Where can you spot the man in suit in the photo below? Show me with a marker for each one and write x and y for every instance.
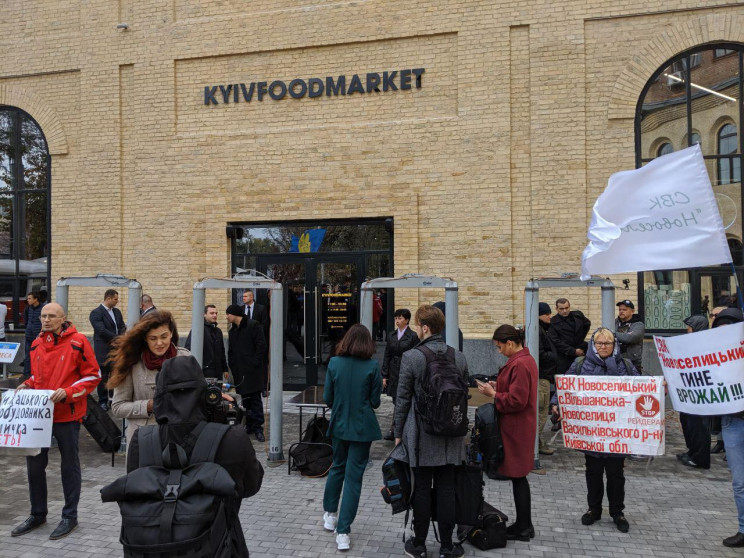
(146, 305)
(258, 312)
(107, 323)
(246, 351)
(214, 363)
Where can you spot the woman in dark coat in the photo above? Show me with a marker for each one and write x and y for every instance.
(515, 397)
(398, 342)
(603, 359)
(352, 390)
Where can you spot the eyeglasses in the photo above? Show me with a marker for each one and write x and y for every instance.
(604, 343)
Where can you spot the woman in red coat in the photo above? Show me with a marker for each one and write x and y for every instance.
(515, 397)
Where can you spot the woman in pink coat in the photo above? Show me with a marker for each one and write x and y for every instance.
(515, 397)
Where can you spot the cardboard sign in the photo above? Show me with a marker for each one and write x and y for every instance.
(26, 418)
(705, 370)
(612, 414)
(8, 352)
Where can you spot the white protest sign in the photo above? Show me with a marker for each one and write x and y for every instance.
(705, 370)
(661, 216)
(8, 352)
(612, 414)
(26, 418)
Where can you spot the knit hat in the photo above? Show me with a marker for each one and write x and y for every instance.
(235, 310)
(543, 308)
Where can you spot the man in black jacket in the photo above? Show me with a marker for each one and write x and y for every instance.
(568, 330)
(214, 362)
(245, 355)
(107, 323)
(546, 364)
(178, 413)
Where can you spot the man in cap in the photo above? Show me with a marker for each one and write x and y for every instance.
(629, 332)
(246, 351)
(547, 363)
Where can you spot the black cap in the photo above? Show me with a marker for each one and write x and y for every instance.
(543, 308)
(627, 303)
(235, 310)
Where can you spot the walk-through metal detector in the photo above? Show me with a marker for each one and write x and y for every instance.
(416, 281)
(134, 296)
(531, 317)
(104, 280)
(276, 342)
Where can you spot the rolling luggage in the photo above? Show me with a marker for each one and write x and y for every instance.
(101, 427)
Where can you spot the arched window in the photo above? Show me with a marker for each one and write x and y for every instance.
(24, 211)
(729, 169)
(695, 95)
(664, 149)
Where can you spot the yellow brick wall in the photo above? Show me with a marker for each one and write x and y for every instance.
(490, 170)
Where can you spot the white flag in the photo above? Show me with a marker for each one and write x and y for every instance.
(661, 216)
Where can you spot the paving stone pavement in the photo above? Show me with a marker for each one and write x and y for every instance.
(673, 511)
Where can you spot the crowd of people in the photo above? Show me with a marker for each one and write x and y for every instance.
(131, 378)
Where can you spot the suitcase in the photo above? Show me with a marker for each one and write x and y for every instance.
(101, 427)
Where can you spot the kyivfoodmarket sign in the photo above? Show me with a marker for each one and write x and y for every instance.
(330, 86)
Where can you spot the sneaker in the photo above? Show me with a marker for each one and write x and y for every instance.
(413, 550)
(622, 523)
(590, 517)
(329, 521)
(546, 451)
(455, 552)
(342, 541)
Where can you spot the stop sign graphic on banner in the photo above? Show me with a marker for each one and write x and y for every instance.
(647, 406)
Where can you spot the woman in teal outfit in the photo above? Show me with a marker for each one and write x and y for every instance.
(352, 390)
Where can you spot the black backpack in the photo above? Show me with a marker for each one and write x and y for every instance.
(313, 456)
(443, 401)
(396, 479)
(486, 439)
(172, 506)
(489, 530)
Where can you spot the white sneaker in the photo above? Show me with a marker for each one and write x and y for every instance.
(329, 521)
(342, 541)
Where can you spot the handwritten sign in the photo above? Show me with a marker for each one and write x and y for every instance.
(705, 370)
(8, 352)
(661, 216)
(26, 418)
(612, 414)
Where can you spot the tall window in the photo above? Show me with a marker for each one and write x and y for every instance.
(24, 211)
(696, 96)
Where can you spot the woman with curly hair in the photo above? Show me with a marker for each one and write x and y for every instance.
(136, 359)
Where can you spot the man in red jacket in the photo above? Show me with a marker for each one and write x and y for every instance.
(62, 360)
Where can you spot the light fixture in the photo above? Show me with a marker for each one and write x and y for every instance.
(122, 26)
(700, 87)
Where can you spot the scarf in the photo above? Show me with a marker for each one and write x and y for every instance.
(153, 362)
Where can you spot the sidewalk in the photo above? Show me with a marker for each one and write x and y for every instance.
(673, 511)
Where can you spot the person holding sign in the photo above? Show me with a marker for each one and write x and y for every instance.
(515, 397)
(603, 359)
(62, 360)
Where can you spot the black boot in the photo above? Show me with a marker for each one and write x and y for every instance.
(718, 448)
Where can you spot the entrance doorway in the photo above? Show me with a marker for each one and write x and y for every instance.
(321, 303)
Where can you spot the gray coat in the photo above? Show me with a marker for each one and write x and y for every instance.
(630, 336)
(433, 450)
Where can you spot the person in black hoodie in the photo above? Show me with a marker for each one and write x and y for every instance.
(180, 407)
(695, 427)
(214, 362)
(568, 329)
(547, 362)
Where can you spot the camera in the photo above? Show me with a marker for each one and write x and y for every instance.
(222, 410)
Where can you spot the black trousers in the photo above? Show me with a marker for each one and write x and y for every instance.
(66, 434)
(596, 468)
(697, 438)
(522, 503)
(443, 479)
(254, 416)
(103, 392)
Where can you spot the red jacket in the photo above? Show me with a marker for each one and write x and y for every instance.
(516, 401)
(65, 361)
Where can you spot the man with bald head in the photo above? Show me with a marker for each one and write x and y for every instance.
(62, 361)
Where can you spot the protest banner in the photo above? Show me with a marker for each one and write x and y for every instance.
(663, 215)
(705, 370)
(26, 418)
(612, 414)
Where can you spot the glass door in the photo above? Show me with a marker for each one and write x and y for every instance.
(716, 289)
(321, 302)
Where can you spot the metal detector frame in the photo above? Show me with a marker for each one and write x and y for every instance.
(416, 281)
(275, 342)
(531, 316)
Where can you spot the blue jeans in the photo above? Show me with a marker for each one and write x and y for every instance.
(349, 462)
(732, 430)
